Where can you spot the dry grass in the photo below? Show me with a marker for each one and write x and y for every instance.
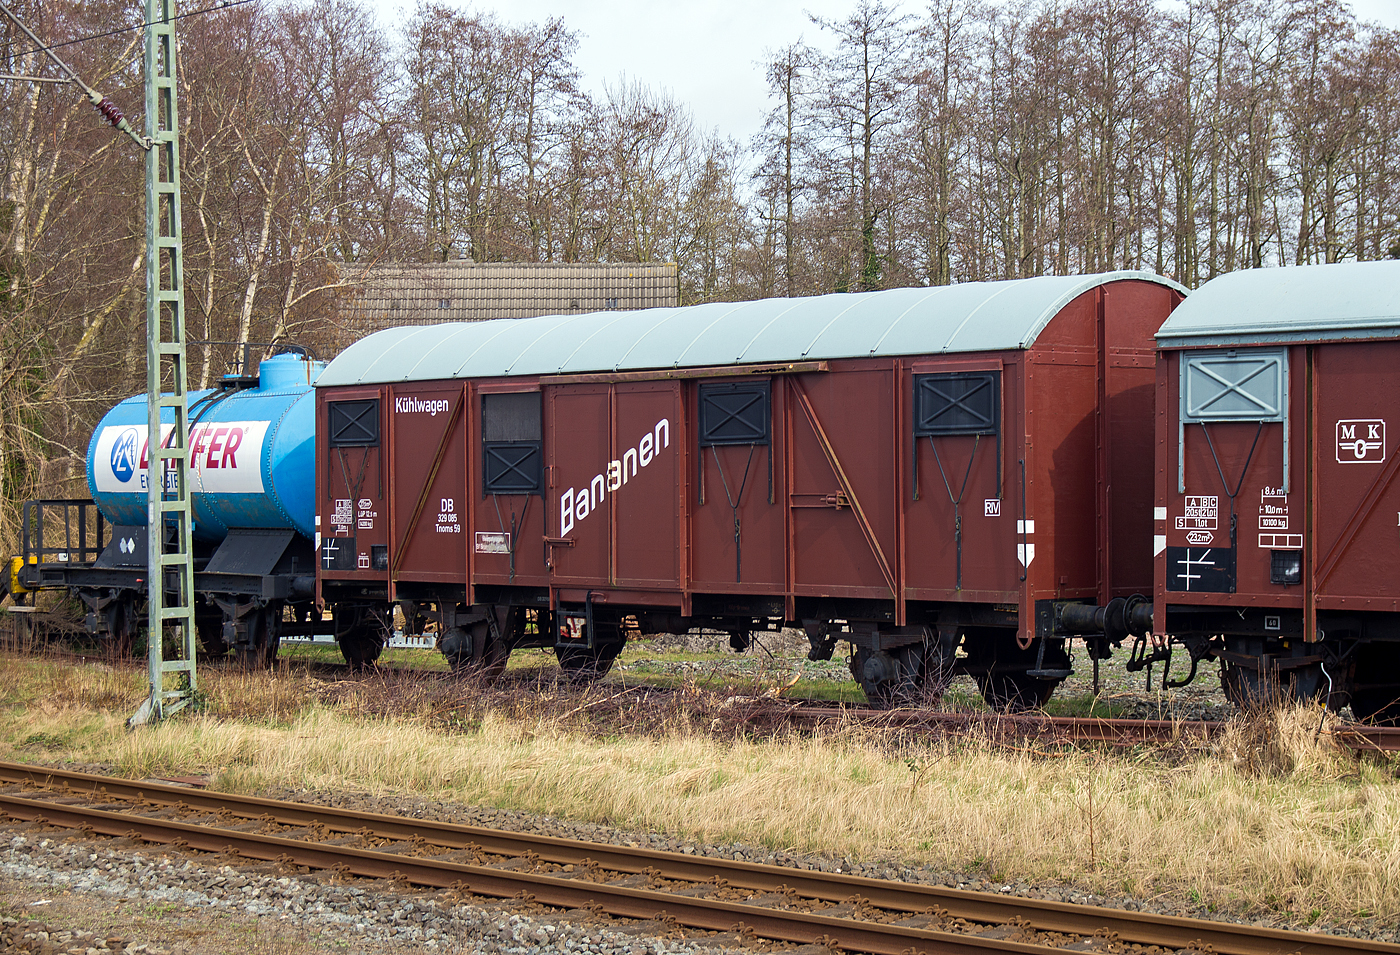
(1273, 818)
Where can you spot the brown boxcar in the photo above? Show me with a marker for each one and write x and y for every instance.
(909, 471)
(1277, 500)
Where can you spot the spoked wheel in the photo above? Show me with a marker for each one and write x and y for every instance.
(475, 651)
(264, 638)
(582, 665)
(1013, 678)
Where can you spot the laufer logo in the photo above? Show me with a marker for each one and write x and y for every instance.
(124, 455)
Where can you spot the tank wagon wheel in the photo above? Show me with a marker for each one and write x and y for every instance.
(123, 622)
(210, 628)
(265, 637)
(1008, 684)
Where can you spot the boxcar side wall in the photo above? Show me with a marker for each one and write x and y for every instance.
(353, 479)
(882, 489)
(1091, 400)
(1355, 497)
(428, 510)
(1226, 501)
(1322, 539)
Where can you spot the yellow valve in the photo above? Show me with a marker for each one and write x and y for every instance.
(16, 588)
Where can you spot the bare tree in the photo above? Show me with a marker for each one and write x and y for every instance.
(867, 79)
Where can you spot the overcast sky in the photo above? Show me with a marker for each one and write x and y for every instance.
(707, 54)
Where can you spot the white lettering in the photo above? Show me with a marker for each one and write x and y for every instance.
(566, 512)
(429, 407)
(575, 504)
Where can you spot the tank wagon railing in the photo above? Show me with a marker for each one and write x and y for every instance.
(62, 531)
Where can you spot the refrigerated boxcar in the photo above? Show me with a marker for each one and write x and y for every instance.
(1276, 542)
(911, 471)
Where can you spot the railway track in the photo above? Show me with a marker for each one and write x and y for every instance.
(744, 900)
(1076, 729)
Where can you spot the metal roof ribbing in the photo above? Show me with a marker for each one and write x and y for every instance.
(1301, 303)
(981, 316)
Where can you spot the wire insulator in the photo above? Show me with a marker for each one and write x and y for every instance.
(110, 111)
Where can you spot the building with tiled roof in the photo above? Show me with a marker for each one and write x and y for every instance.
(387, 296)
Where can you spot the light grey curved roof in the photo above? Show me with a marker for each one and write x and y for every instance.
(1300, 303)
(981, 316)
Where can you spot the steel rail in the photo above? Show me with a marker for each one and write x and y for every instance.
(1086, 729)
(1040, 914)
(622, 901)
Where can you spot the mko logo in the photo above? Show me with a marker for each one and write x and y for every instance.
(124, 455)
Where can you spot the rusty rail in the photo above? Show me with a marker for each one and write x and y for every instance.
(1080, 729)
(623, 900)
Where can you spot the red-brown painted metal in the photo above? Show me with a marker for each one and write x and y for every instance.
(842, 503)
(427, 509)
(353, 495)
(1334, 510)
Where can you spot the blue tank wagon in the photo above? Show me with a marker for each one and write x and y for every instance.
(252, 457)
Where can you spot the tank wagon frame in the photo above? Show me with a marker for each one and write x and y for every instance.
(1278, 493)
(951, 479)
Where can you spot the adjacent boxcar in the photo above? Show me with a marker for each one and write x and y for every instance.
(910, 471)
(1277, 499)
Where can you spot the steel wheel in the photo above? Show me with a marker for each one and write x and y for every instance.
(582, 665)
(1003, 669)
(1012, 691)
(361, 645)
(476, 652)
(264, 636)
(1380, 707)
